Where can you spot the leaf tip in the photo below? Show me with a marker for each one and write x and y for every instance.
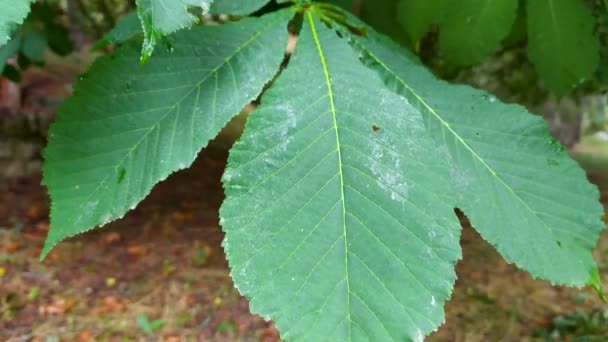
(46, 249)
(145, 56)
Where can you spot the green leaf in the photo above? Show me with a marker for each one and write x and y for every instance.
(417, 16)
(129, 126)
(125, 28)
(473, 29)
(517, 185)
(561, 42)
(346, 4)
(8, 50)
(335, 219)
(382, 15)
(519, 30)
(33, 44)
(13, 13)
(241, 7)
(161, 17)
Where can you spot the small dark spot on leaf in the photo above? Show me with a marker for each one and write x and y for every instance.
(559, 243)
(375, 128)
(121, 175)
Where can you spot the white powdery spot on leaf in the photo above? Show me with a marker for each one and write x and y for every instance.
(387, 180)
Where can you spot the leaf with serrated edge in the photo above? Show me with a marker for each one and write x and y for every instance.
(13, 13)
(129, 126)
(161, 17)
(168, 16)
(517, 185)
(561, 42)
(335, 220)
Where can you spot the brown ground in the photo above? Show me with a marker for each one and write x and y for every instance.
(162, 261)
(163, 264)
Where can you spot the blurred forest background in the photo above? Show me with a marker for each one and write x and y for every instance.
(160, 273)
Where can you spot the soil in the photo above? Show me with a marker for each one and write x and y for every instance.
(162, 264)
(160, 274)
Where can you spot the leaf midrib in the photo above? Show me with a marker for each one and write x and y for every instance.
(172, 108)
(339, 152)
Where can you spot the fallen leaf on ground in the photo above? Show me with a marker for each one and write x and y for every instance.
(59, 307)
(34, 293)
(33, 212)
(109, 304)
(269, 335)
(43, 226)
(136, 250)
(110, 281)
(85, 336)
(217, 301)
(180, 216)
(11, 246)
(32, 237)
(110, 238)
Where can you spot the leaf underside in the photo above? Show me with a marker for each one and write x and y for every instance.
(565, 26)
(336, 223)
(128, 127)
(517, 185)
(13, 13)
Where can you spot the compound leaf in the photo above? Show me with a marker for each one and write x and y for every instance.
(128, 126)
(233, 7)
(336, 223)
(473, 29)
(561, 42)
(13, 13)
(161, 17)
(517, 185)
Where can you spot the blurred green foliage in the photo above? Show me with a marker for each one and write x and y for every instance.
(578, 326)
